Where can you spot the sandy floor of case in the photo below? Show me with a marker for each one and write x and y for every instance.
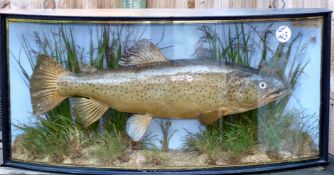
(319, 170)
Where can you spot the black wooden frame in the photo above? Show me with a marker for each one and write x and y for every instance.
(324, 111)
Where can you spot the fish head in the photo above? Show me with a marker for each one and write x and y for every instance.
(255, 90)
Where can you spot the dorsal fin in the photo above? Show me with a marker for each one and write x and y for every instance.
(274, 68)
(85, 68)
(142, 52)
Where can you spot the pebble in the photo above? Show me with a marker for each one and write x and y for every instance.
(202, 159)
(137, 159)
(256, 158)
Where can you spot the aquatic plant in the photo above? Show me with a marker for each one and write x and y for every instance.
(53, 138)
(239, 138)
(167, 133)
(154, 157)
(298, 137)
(205, 142)
(235, 138)
(109, 147)
(232, 47)
(114, 120)
(76, 140)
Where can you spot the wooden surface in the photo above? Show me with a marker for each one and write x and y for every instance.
(153, 13)
(168, 3)
(30, 4)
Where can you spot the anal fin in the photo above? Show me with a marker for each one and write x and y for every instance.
(137, 125)
(88, 110)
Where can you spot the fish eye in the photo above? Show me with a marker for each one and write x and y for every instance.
(262, 85)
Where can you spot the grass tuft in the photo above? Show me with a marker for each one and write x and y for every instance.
(236, 138)
(53, 139)
(154, 157)
(109, 147)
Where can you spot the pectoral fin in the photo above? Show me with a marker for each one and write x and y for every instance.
(88, 110)
(210, 117)
(137, 125)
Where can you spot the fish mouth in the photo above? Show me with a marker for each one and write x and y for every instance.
(274, 95)
(279, 93)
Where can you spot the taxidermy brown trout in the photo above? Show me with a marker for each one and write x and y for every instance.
(149, 86)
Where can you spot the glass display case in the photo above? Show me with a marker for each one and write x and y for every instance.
(185, 91)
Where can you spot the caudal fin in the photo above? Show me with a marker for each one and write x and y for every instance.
(43, 85)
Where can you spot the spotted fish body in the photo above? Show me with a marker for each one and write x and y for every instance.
(197, 89)
(178, 89)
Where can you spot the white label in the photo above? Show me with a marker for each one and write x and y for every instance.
(283, 34)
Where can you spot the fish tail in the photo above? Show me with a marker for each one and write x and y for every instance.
(44, 84)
